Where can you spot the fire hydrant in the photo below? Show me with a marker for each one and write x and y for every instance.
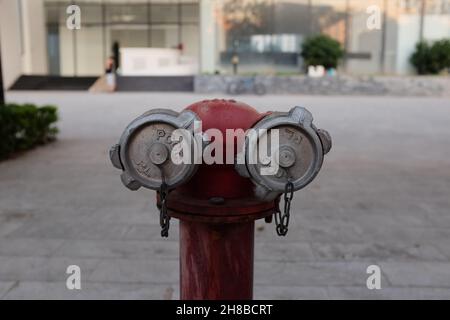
(209, 172)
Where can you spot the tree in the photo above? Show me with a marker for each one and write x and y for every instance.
(2, 93)
(322, 50)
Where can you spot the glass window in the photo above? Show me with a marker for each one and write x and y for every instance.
(165, 12)
(53, 13)
(131, 23)
(189, 12)
(56, 12)
(244, 18)
(329, 17)
(53, 49)
(248, 28)
(132, 36)
(292, 17)
(164, 36)
(91, 13)
(127, 13)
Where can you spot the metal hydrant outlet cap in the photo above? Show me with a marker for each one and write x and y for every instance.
(144, 150)
(300, 152)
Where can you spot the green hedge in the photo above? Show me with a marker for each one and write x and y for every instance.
(431, 58)
(24, 126)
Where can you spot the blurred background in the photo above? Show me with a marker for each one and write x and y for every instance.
(266, 34)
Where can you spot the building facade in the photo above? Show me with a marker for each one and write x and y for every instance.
(266, 34)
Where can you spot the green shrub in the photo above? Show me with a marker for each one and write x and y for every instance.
(431, 59)
(322, 50)
(25, 126)
(440, 51)
(422, 60)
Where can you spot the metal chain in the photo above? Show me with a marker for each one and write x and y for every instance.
(164, 219)
(282, 219)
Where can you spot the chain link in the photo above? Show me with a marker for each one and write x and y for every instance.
(164, 219)
(282, 219)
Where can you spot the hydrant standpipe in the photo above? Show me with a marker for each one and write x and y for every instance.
(217, 203)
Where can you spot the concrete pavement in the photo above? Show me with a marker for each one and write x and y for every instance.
(381, 198)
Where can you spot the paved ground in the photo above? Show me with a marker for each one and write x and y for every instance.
(382, 198)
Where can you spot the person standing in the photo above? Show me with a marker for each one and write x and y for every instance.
(235, 63)
(116, 54)
(110, 70)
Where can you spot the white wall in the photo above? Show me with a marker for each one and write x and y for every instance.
(390, 55)
(23, 39)
(436, 27)
(10, 41)
(207, 36)
(35, 37)
(401, 38)
(408, 36)
(90, 56)
(363, 40)
(155, 62)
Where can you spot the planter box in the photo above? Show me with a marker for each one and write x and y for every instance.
(338, 85)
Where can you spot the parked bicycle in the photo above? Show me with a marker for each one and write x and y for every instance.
(246, 85)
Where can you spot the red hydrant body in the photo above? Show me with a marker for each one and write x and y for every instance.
(217, 211)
